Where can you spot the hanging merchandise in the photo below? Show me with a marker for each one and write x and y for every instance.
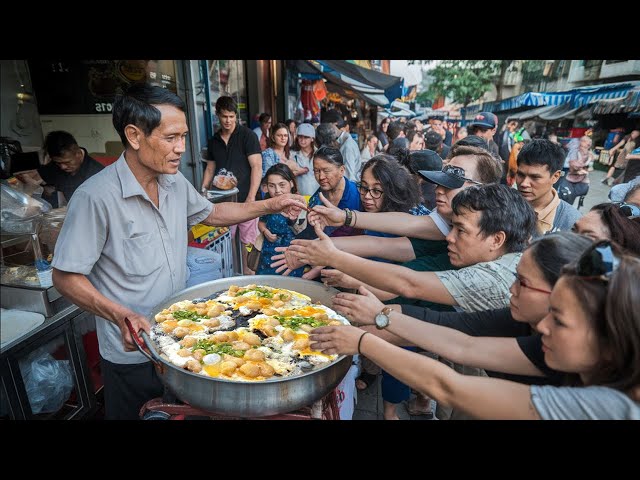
(319, 90)
(308, 99)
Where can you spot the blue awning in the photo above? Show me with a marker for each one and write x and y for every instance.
(577, 97)
(361, 79)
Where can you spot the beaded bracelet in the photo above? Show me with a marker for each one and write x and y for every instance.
(348, 216)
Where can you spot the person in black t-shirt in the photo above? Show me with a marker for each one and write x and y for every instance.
(70, 165)
(236, 148)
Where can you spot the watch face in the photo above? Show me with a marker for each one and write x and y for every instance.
(382, 320)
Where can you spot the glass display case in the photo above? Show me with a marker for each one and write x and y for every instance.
(47, 375)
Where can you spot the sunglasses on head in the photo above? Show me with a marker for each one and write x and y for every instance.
(458, 172)
(598, 263)
(629, 210)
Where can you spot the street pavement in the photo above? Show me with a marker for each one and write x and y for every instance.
(369, 401)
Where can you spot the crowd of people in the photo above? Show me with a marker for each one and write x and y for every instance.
(453, 253)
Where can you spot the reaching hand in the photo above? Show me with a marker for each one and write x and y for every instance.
(341, 340)
(313, 273)
(269, 236)
(289, 204)
(336, 278)
(314, 252)
(359, 309)
(331, 214)
(138, 322)
(286, 262)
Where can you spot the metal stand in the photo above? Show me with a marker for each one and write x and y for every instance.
(220, 196)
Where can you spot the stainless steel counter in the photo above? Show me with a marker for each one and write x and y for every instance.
(50, 322)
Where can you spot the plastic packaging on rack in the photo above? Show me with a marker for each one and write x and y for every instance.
(20, 212)
(48, 381)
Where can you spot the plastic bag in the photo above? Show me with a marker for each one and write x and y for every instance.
(225, 180)
(18, 206)
(48, 381)
(203, 266)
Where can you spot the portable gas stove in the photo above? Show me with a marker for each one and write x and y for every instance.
(169, 407)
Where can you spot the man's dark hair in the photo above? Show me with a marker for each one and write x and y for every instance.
(137, 106)
(59, 142)
(228, 104)
(330, 154)
(333, 116)
(432, 141)
(394, 129)
(397, 145)
(327, 134)
(401, 191)
(502, 209)
(475, 129)
(542, 152)
(471, 141)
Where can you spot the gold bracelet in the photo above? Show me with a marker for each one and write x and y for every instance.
(360, 341)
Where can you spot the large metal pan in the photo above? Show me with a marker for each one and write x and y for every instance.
(250, 399)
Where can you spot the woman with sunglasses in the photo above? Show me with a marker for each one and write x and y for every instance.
(618, 222)
(591, 330)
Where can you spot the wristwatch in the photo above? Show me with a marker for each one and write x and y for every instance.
(382, 319)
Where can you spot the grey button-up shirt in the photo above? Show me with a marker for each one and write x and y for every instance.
(132, 252)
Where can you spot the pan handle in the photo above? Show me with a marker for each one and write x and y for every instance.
(142, 347)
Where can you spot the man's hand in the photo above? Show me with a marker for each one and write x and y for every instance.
(336, 278)
(328, 215)
(341, 340)
(359, 309)
(314, 252)
(286, 262)
(272, 237)
(138, 322)
(289, 204)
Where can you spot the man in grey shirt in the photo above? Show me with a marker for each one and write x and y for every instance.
(123, 245)
(347, 145)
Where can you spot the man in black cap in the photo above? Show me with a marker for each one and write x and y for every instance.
(484, 125)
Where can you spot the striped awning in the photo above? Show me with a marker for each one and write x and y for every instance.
(628, 104)
(547, 113)
(577, 97)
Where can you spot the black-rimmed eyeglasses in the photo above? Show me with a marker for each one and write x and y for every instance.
(374, 192)
(458, 172)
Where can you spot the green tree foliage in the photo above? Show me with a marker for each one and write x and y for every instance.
(464, 81)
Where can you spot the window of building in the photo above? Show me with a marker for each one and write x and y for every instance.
(228, 78)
